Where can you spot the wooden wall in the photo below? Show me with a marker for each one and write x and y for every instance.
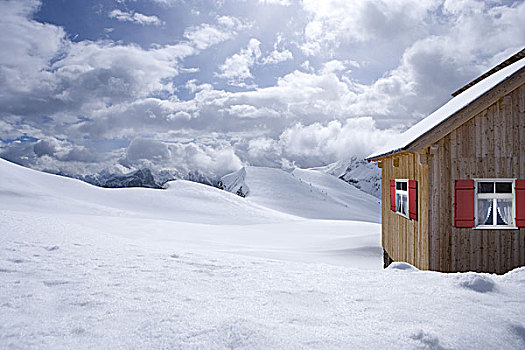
(490, 145)
(402, 238)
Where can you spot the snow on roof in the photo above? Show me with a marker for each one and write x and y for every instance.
(447, 110)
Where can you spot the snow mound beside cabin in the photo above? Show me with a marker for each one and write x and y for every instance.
(303, 192)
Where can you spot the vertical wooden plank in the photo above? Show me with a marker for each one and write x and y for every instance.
(433, 226)
(483, 134)
(519, 116)
(498, 129)
(490, 170)
(440, 185)
(478, 173)
(478, 134)
(509, 126)
(423, 202)
(486, 250)
(506, 240)
(448, 204)
(466, 171)
(451, 175)
(384, 213)
(475, 241)
(521, 135)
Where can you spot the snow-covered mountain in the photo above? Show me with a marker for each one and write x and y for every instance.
(138, 178)
(357, 172)
(303, 192)
(143, 177)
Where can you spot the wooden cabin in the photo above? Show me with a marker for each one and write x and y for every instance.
(453, 185)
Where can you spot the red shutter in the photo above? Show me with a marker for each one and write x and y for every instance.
(412, 199)
(464, 203)
(519, 191)
(393, 195)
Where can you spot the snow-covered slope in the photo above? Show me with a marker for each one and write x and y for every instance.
(306, 193)
(357, 172)
(83, 267)
(192, 213)
(186, 201)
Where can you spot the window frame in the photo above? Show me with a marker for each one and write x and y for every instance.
(404, 193)
(495, 196)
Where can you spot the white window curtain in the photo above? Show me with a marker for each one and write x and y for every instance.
(484, 209)
(402, 203)
(505, 210)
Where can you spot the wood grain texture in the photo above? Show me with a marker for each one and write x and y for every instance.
(490, 143)
(405, 239)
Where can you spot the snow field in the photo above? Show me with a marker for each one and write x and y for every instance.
(194, 267)
(65, 285)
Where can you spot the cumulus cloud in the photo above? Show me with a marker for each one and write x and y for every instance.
(236, 69)
(377, 67)
(135, 17)
(317, 143)
(146, 149)
(212, 160)
(205, 35)
(277, 56)
(358, 21)
(333, 66)
(276, 2)
(50, 154)
(55, 77)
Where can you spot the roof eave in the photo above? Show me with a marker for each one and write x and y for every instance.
(378, 157)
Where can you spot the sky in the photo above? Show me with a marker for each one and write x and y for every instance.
(211, 86)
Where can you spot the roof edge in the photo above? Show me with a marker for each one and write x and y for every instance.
(376, 158)
(430, 131)
(514, 58)
(462, 110)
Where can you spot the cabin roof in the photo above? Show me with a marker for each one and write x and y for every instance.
(465, 96)
(514, 58)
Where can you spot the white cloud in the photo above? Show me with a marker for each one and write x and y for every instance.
(276, 2)
(51, 154)
(54, 76)
(135, 17)
(236, 69)
(205, 35)
(212, 160)
(168, 3)
(317, 144)
(333, 66)
(276, 57)
(279, 53)
(141, 149)
(390, 61)
(356, 21)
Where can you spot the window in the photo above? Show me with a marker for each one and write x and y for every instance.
(402, 197)
(495, 203)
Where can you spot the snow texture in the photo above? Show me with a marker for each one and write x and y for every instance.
(357, 172)
(194, 267)
(448, 109)
(303, 192)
